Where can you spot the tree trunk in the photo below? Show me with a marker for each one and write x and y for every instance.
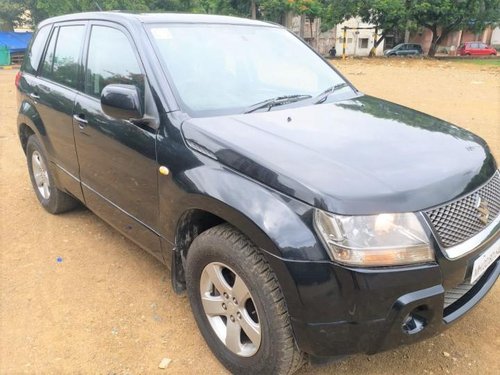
(435, 41)
(407, 34)
(311, 29)
(434, 46)
(373, 51)
(302, 24)
(253, 9)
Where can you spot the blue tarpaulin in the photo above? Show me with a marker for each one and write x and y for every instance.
(15, 42)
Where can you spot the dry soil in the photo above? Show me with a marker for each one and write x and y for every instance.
(107, 307)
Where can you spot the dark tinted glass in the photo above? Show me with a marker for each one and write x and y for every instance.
(32, 58)
(49, 55)
(111, 59)
(61, 60)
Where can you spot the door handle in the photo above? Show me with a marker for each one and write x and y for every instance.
(81, 120)
(34, 96)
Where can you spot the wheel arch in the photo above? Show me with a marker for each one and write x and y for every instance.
(29, 122)
(279, 226)
(196, 220)
(24, 132)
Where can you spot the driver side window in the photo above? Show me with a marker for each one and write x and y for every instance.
(111, 59)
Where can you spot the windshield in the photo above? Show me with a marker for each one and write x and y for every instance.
(225, 69)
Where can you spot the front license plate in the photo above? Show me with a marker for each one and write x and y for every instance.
(484, 261)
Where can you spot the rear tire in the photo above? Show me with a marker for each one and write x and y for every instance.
(50, 197)
(270, 347)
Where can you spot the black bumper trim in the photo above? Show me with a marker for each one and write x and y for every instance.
(473, 296)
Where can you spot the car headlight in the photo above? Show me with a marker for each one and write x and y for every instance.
(375, 240)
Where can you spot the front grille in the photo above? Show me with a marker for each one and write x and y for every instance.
(453, 295)
(458, 221)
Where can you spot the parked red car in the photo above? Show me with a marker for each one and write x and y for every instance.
(476, 49)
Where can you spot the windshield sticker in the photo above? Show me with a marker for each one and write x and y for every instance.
(161, 33)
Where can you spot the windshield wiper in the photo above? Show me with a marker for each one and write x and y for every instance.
(324, 95)
(273, 102)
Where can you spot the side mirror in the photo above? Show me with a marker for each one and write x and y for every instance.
(121, 102)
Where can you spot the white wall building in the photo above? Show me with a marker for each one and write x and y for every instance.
(358, 42)
(495, 36)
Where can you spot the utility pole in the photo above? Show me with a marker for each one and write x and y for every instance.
(344, 41)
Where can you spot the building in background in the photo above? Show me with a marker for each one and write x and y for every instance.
(453, 40)
(495, 38)
(360, 36)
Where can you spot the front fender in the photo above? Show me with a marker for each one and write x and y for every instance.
(279, 225)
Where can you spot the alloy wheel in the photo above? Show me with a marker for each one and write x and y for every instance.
(40, 174)
(230, 309)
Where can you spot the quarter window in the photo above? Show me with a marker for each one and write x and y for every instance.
(32, 59)
(61, 60)
(111, 59)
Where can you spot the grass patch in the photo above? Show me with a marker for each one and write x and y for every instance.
(486, 62)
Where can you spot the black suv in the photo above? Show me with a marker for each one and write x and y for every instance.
(302, 217)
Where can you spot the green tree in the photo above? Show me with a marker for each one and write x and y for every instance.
(41, 9)
(273, 10)
(445, 16)
(311, 9)
(385, 15)
(337, 11)
(10, 14)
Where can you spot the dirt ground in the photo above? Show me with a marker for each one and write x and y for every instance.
(77, 297)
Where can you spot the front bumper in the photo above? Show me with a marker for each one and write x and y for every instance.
(348, 311)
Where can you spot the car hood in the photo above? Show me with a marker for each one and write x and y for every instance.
(357, 156)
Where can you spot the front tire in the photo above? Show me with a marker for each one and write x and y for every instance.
(50, 197)
(238, 305)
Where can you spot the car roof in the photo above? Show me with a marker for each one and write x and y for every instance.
(125, 17)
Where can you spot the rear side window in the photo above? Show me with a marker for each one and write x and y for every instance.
(32, 58)
(61, 59)
(111, 59)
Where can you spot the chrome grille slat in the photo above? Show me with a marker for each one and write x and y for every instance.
(459, 220)
(453, 295)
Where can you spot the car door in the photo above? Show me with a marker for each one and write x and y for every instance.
(475, 49)
(118, 167)
(484, 49)
(53, 93)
